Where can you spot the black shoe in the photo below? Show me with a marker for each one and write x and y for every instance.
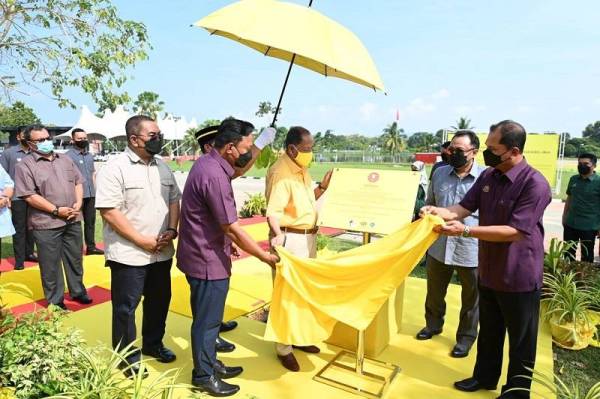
(471, 385)
(216, 387)
(426, 333)
(19, 266)
(224, 346)
(94, 251)
(228, 326)
(82, 299)
(225, 372)
(460, 350)
(60, 305)
(31, 258)
(133, 371)
(162, 354)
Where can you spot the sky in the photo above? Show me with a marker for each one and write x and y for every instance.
(534, 61)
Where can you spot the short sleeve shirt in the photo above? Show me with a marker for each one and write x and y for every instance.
(517, 198)
(85, 162)
(9, 159)
(143, 193)
(54, 179)
(584, 209)
(203, 250)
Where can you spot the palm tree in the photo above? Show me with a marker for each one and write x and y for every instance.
(463, 123)
(394, 138)
(147, 103)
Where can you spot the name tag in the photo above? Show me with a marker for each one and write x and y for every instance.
(18, 159)
(81, 161)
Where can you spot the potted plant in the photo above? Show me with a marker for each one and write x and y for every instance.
(255, 205)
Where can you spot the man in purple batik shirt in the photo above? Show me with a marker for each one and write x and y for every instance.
(208, 227)
(511, 198)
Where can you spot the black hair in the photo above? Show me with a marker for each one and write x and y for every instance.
(232, 131)
(76, 130)
(471, 135)
(31, 128)
(512, 134)
(446, 144)
(589, 156)
(295, 135)
(132, 126)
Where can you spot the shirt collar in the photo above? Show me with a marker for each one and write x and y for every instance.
(135, 157)
(37, 156)
(475, 170)
(515, 171)
(214, 154)
(291, 164)
(592, 177)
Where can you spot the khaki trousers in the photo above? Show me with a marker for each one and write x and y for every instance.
(304, 246)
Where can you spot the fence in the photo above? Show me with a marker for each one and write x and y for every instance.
(363, 157)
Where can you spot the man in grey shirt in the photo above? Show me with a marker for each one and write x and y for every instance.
(84, 160)
(23, 237)
(449, 184)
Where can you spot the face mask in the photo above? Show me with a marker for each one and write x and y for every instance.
(243, 159)
(304, 158)
(45, 147)
(492, 159)
(83, 144)
(444, 157)
(154, 146)
(583, 169)
(457, 159)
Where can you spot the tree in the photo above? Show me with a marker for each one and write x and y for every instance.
(68, 43)
(422, 141)
(463, 123)
(17, 115)
(265, 108)
(394, 138)
(190, 141)
(147, 103)
(592, 131)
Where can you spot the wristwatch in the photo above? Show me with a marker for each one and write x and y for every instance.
(55, 211)
(174, 231)
(466, 232)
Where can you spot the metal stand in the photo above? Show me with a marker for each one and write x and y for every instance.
(376, 384)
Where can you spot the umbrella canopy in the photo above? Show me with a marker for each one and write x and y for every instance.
(296, 33)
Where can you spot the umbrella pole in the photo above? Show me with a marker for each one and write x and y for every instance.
(285, 84)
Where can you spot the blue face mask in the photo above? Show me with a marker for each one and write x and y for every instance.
(45, 147)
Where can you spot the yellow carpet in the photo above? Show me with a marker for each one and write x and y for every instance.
(427, 369)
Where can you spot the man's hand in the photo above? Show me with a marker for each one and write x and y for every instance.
(64, 212)
(147, 243)
(278, 240)
(235, 251)
(77, 206)
(266, 137)
(270, 259)
(428, 210)
(452, 228)
(164, 239)
(326, 179)
(4, 202)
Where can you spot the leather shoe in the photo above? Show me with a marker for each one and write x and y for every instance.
(426, 333)
(82, 299)
(224, 346)
(94, 251)
(60, 305)
(308, 349)
(471, 385)
(132, 371)
(162, 354)
(31, 258)
(289, 362)
(216, 387)
(228, 326)
(19, 266)
(225, 372)
(460, 350)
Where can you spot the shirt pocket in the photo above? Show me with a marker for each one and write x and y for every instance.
(134, 192)
(504, 210)
(166, 187)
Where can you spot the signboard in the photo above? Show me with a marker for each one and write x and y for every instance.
(541, 152)
(370, 201)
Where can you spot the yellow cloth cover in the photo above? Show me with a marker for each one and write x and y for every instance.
(311, 295)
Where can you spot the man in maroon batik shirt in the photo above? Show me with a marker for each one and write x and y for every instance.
(511, 197)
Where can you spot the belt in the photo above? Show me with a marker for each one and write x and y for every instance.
(300, 231)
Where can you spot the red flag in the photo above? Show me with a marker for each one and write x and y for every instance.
(397, 114)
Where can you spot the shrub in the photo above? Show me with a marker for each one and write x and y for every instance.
(322, 241)
(255, 205)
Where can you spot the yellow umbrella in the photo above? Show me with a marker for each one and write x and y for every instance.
(297, 34)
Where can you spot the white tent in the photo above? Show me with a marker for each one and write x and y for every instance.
(88, 122)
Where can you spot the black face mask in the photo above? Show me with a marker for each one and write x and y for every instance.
(243, 160)
(492, 159)
(583, 169)
(154, 146)
(457, 159)
(83, 144)
(444, 157)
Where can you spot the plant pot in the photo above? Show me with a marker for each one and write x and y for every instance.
(570, 336)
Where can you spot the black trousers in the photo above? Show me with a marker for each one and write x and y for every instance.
(438, 279)
(517, 313)
(207, 300)
(89, 220)
(56, 245)
(128, 284)
(23, 237)
(586, 239)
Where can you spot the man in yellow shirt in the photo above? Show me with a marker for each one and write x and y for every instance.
(292, 211)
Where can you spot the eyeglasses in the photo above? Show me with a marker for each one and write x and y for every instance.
(151, 135)
(38, 141)
(452, 150)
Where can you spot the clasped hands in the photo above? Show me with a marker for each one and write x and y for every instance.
(156, 244)
(449, 228)
(69, 213)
